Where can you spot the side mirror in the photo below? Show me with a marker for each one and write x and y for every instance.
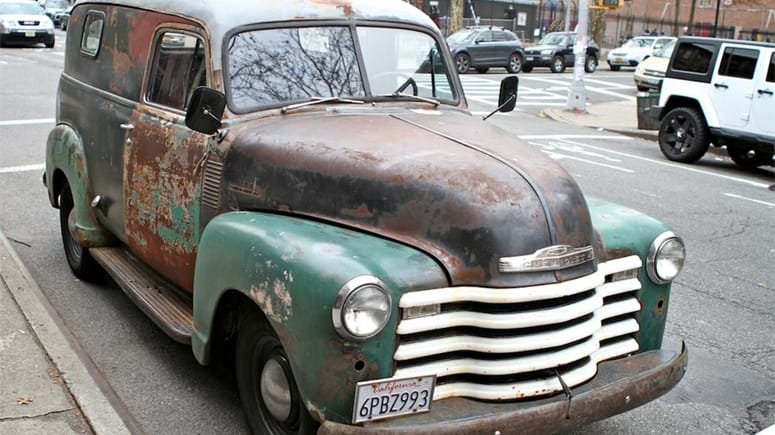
(507, 98)
(205, 110)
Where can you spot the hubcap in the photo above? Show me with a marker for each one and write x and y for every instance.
(275, 390)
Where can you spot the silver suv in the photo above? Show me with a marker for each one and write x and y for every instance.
(719, 92)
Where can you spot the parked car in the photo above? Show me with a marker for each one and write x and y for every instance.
(300, 187)
(24, 23)
(481, 48)
(555, 50)
(636, 50)
(63, 18)
(719, 92)
(648, 74)
(55, 8)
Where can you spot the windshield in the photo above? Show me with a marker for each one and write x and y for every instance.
(555, 39)
(277, 67)
(20, 9)
(639, 42)
(461, 36)
(667, 50)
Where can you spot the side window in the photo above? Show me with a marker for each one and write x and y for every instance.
(739, 62)
(92, 33)
(178, 68)
(771, 70)
(693, 57)
(485, 37)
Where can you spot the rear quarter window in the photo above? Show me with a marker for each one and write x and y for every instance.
(92, 33)
(693, 57)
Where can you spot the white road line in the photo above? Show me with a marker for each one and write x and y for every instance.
(558, 156)
(27, 121)
(24, 168)
(589, 88)
(666, 163)
(571, 136)
(770, 204)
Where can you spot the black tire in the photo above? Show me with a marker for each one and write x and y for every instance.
(50, 44)
(482, 69)
(78, 258)
(259, 349)
(462, 63)
(683, 135)
(615, 67)
(526, 68)
(558, 64)
(590, 64)
(515, 63)
(748, 158)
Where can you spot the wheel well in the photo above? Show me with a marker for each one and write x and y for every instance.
(58, 183)
(232, 308)
(674, 102)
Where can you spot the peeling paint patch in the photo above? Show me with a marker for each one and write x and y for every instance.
(274, 300)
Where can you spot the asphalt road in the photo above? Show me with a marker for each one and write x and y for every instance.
(722, 305)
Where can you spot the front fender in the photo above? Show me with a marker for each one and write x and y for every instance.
(66, 162)
(625, 232)
(293, 269)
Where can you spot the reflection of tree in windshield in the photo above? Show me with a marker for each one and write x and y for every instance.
(282, 65)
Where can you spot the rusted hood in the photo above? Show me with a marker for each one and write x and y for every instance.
(454, 186)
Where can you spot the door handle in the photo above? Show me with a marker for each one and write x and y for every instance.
(764, 91)
(721, 85)
(127, 126)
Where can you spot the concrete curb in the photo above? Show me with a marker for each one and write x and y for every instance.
(79, 373)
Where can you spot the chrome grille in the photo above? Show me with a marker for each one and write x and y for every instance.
(506, 343)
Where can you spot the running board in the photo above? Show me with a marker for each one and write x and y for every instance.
(159, 300)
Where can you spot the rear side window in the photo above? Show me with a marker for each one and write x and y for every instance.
(92, 33)
(771, 69)
(505, 36)
(738, 62)
(693, 57)
(179, 67)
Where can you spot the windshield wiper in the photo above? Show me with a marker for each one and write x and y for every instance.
(411, 97)
(319, 100)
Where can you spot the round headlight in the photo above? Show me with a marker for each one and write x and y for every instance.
(666, 258)
(362, 308)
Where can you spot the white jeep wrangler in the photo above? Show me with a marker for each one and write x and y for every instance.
(721, 92)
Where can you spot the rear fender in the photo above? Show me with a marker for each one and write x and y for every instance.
(293, 270)
(66, 164)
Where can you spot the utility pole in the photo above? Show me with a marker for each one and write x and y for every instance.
(715, 22)
(691, 18)
(577, 96)
(567, 15)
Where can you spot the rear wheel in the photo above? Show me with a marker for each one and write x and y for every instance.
(78, 258)
(462, 63)
(683, 135)
(558, 64)
(749, 158)
(526, 68)
(266, 385)
(515, 63)
(590, 65)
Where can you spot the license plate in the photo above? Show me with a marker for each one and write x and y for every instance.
(385, 398)
(618, 60)
(29, 34)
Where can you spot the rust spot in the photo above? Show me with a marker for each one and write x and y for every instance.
(361, 212)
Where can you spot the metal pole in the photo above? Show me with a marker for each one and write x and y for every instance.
(715, 22)
(577, 95)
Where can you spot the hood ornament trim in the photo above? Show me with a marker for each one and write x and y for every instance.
(555, 257)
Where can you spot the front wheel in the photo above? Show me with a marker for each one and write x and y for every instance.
(591, 64)
(515, 63)
(683, 135)
(748, 158)
(78, 258)
(614, 67)
(266, 385)
(558, 64)
(462, 63)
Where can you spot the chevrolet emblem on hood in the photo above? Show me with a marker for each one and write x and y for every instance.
(550, 258)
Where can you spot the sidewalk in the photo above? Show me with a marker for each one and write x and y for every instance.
(45, 386)
(619, 117)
